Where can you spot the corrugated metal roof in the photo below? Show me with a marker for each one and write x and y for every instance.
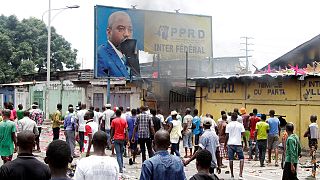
(22, 83)
(238, 76)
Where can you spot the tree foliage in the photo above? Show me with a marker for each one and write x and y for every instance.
(23, 49)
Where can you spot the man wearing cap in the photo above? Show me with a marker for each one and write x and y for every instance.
(245, 121)
(175, 133)
(209, 141)
(106, 118)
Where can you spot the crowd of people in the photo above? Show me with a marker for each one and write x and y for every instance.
(129, 132)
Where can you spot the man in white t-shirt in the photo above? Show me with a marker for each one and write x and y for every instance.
(27, 124)
(97, 115)
(81, 125)
(98, 166)
(106, 124)
(234, 133)
(91, 128)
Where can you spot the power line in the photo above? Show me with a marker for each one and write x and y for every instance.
(247, 50)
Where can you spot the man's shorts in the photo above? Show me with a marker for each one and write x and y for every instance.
(187, 140)
(273, 141)
(235, 149)
(223, 153)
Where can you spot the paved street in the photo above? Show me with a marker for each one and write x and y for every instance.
(252, 170)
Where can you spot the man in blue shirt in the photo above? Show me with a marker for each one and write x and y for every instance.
(196, 123)
(209, 141)
(133, 144)
(273, 136)
(162, 165)
(109, 56)
(70, 127)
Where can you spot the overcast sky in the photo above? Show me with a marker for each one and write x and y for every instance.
(277, 26)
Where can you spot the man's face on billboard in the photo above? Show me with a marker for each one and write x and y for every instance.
(119, 27)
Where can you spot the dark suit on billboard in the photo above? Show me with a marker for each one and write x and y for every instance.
(109, 59)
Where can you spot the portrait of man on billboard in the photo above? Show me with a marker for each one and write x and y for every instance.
(118, 57)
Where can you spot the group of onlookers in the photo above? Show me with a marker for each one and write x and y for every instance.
(131, 132)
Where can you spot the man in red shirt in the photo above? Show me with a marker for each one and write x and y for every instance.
(252, 124)
(119, 133)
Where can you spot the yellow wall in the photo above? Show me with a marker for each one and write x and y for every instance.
(295, 99)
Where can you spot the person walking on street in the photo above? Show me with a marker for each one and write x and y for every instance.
(106, 122)
(162, 165)
(312, 133)
(156, 121)
(175, 133)
(25, 166)
(196, 124)
(261, 136)
(7, 137)
(91, 127)
(252, 142)
(245, 121)
(37, 115)
(187, 132)
(70, 127)
(81, 123)
(273, 136)
(222, 137)
(119, 133)
(98, 166)
(234, 133)
(26, 124)
(56, 122)
(13, 114)
(20, 112)
(133, 145)
(293, 152)
(209, 141)
(144, 128)
(58, 156)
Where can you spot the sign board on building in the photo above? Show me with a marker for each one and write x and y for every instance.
(169, 34)
(274, 89)
(226, 90)
(310, 89)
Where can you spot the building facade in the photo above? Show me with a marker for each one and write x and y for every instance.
(296, 98)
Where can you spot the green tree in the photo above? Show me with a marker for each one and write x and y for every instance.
(23, 49)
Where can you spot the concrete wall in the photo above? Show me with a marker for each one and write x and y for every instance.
(287, 96)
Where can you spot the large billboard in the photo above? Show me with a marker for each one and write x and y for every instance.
(121, 32)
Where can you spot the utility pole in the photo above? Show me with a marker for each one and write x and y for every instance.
(247, 51)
